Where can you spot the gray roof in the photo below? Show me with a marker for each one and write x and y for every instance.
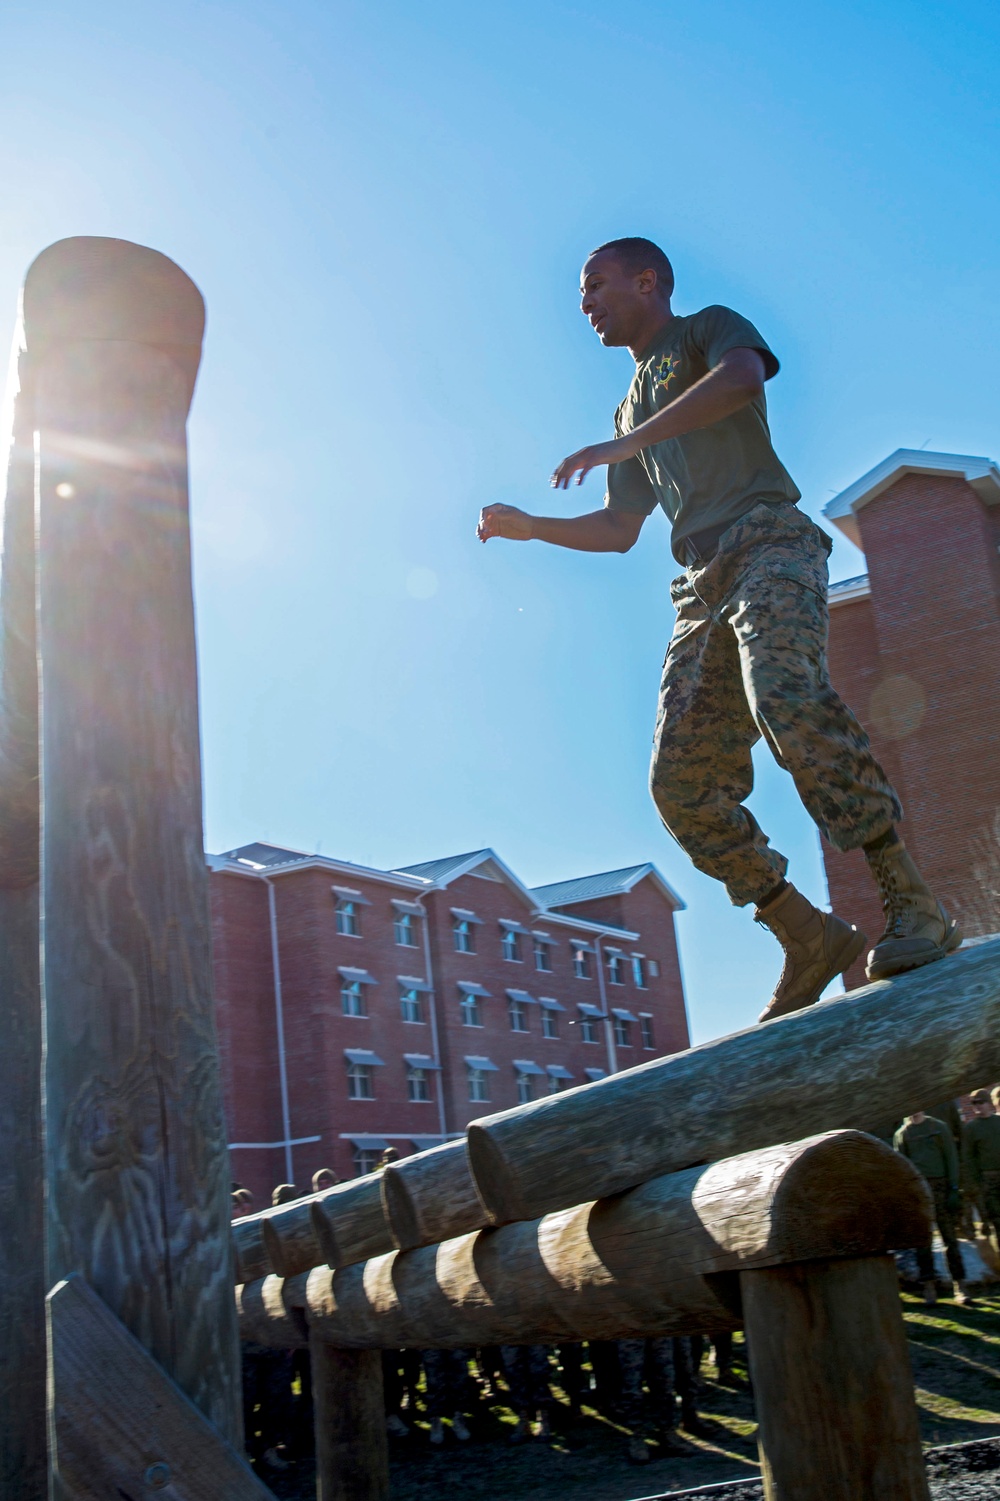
(587, 888)
(438, 870)
(264, 854)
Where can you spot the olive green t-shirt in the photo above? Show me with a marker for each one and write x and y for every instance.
(707, 479)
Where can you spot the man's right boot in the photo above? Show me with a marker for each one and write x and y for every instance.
(930, 1294)
(818, 946)
(917, 928)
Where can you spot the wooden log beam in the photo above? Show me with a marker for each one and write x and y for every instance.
(120, 1428)
(431, 1196)
(136, 1159)
(885, 1050)
(832, 1383)
(349, 1221)
(662, 1258)
(23, 1465)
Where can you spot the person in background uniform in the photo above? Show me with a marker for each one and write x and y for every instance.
(389, 1155)
(981, 1160)
(929, 1145)
(747, 658)
(324, 1178)
(526, 1370)
(242, 1203)
(400, 1379)
(666, 1366)
(285, 1193)
(447, 1373)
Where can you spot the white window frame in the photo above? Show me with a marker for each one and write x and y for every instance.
(478, 1085)
(348, 917)
(550, 1023)
(404, 929)
(366, 1160)
(648, 1035)
(417, 1080)
(588, 1028)
(359, 1077)
(353, 990)
(510, 946)
(517, 1011)
(472, 1016)
(639, 971)
(408, 997)
(525, 1088)
(615, 976)
(464, 935)
(581, 963)
(543, 951)
(623, 1032)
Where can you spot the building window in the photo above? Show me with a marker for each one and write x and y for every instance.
(510, 945)
(348, 917)
(525, 1092)
(543, 955)
(646, 1022)
(581, 963)
(588, 1027)
(555, 1084)
(471, 1014)
(550, 1023)
(352, 998)
(518, 1015)
(638, 972)
(623, 1032)
(464, 933)
(417, 1084)
(404, 927)
(366, 1160)
(360, 1081)
(615, 968)
(478, 1085)
(653, 966)
(410, 1006)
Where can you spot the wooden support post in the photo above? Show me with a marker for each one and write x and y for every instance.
(352, 1455)
(888, 1049)
(136, 1158)
(22, 1254)
(832, 1382)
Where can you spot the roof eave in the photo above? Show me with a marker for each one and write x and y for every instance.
(979, 472)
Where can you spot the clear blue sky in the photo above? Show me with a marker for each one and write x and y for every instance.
(386, 208)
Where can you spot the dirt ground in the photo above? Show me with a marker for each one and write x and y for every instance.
(956, 1365)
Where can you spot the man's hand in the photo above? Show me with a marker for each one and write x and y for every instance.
(581, 463)
(504, 521)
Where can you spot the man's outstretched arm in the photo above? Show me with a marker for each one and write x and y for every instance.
(598, 531)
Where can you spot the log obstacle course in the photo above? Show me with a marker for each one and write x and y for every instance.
(727, 1186)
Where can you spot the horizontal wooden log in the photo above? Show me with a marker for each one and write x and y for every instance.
(431, 1196)
(662, 1258)
(289, 1235)
(251, 1260)
(349, 1221)
(119, 1427)
(885, 1050)
(268, 1317)
(341, 1225)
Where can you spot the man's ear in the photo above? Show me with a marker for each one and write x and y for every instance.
(647, 281)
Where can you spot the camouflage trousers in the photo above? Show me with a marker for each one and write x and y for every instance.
(747, 659)
(665, 1365)
(527, 1369)
(989, 1203)
(944, 1218)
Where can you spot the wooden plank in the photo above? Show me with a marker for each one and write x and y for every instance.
(352, 1454)
(349, 1221)
(136, 1159)
(120, 1428)
(832, 1383)
(883, 1051)
(289, 1235)
(431, 1196)
(662, 1258)
(22, 1250)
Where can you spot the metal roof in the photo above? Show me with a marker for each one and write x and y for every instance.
(438, 870)
(605, 883)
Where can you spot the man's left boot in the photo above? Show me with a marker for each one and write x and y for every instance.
(962, 1296)
(818, 946)
(917, 928)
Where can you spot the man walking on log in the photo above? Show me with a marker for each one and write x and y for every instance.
(748, 652)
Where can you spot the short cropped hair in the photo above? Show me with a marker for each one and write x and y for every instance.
(284, 1194)
(637, 254)
(320, 1175)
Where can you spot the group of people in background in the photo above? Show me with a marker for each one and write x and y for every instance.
(648, 1387)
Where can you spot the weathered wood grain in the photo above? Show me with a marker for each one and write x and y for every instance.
(250, 1254)
(884, 1050)
(120, 1428)
(289, 1235)
(832, 1383)
(22, 1251)
(352, 1454)
(662, 1258)
(136, 1160)
(349, 1221)
(269, 1315)
(431, 1196)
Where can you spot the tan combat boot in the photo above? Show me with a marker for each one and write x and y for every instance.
(917, 928)
(817, 947)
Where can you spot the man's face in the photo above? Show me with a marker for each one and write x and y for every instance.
(982, 1107)
(615, 301)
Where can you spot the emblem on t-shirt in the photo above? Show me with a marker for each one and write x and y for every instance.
(664, 372)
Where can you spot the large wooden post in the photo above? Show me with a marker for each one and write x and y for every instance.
(832, 1382)
(22, 1269)
(352, 1455)
(135, 1145)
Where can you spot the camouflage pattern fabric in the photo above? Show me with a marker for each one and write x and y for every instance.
(664, 1364)
(526, 1368)
(447, 1373)
(747, 659)
(989, 1202)
(944, 1218)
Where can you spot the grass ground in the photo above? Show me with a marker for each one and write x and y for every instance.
(956, 1366)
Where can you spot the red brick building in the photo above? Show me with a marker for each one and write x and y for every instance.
(915, 651)
(360, 1008)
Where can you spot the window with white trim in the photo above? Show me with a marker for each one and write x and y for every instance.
(588, 1027)
(510, 945)
(543, 955)
(348, 915)
(366, 1160)
(410, 1005)
(646, 1023)
(615, 969)
(555, 1084)
(479, 1085)
(360, 1081)
(418, 1085)
(653, 968)
(352, 998)
(464, 934)
(525, 1088)
(518, 1014)
(404, 928)
(550, 1023)
(638, 972)
(581, 963)
(623, 1032)
(471, 1013)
